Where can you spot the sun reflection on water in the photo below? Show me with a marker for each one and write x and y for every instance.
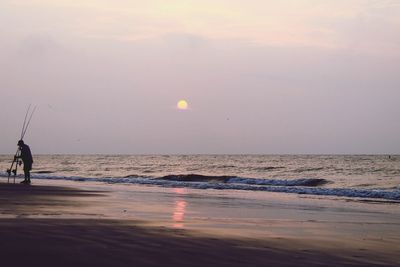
(178, 214)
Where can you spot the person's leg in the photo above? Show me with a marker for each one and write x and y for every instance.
(28, 175)
(27, 169)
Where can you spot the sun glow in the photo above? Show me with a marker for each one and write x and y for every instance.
(182, 104)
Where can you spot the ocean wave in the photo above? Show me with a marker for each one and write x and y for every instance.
(135, 176)
(225, 166)
(268, 168)
(304, 169)
(195, 178)
(391, 194)
(277, 182)
(241, 180)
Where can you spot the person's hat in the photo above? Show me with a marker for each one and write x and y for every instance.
(20, 142)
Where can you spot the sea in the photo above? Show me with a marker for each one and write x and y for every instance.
(374, 177)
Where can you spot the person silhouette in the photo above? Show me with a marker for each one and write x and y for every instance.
(27, 159)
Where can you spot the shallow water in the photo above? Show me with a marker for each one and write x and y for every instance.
(367, 176)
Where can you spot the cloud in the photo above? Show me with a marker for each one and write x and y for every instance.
(370, 26)
(38, 46)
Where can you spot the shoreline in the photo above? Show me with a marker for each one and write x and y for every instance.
(46, 221)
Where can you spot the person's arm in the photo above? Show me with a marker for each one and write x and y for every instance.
(20, 155)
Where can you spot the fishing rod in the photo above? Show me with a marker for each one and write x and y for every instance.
(27, 125)
(26, 115)
(17, 154)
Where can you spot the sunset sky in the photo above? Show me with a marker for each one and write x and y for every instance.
(258, 76)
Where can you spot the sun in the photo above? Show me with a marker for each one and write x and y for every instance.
(182, 104)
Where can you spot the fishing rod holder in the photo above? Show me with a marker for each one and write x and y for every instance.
(17, 160)
(13, 169)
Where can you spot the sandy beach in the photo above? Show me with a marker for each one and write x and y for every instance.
(73, 225)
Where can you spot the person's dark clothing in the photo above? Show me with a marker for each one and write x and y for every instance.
(27, 159)
(26, 155)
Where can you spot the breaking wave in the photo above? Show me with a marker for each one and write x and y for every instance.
(240, 180)
(275, 182)
(309, 186)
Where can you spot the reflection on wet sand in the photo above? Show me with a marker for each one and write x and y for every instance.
(178, 214)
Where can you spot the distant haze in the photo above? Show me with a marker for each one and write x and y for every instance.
(259, 76)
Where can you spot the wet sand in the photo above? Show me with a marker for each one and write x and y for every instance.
(44, 225)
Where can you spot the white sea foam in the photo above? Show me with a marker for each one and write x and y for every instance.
(237, 183)
(278, 182)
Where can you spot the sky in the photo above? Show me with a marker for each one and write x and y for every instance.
(259, 76)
